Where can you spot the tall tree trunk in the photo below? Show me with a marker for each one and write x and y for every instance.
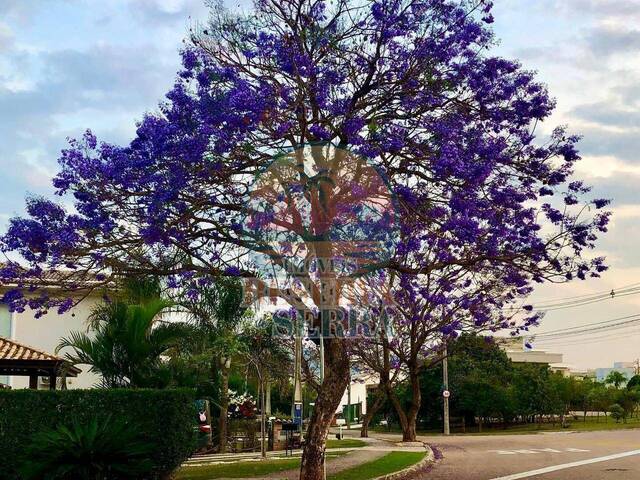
(225, 365)
(408, 419)
(414, 408)
(331, 391)
(372, 409)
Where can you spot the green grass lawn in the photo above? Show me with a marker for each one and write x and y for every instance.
(391, 462)
(253, 468)
(591, 424)
(345, 443)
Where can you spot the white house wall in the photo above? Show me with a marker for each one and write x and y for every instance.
(45, 333)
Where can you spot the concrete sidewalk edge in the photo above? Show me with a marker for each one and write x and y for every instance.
(428, 459)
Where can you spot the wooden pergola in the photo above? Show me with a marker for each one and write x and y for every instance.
(23, 360)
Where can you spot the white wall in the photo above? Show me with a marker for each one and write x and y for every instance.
(44, 333)
(358, 395)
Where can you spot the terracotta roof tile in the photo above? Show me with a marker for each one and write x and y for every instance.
(11, 350)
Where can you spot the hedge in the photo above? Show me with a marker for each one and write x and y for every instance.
(165, 418)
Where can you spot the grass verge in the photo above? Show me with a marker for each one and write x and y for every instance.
(590, 425)
(345, 443)
(243, 469)
(390, 463)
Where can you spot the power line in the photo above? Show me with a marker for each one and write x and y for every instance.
(573, 333)
(624, 287)
(579, 303)
(587, 340)
(610, 321)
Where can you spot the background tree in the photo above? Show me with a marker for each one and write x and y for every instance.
(215, 307)
(615, 378)
(266, 355)
(127, 339)
(634, 382)
(409, 86)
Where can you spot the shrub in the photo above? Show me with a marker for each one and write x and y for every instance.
(164, 419)
(98, 450)
(617, 412)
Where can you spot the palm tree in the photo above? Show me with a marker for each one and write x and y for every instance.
(127, 341)
(217, 312)
(615, 378)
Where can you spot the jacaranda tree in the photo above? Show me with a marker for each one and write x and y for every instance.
(334, 92)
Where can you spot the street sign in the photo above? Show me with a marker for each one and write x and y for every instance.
(446, 394)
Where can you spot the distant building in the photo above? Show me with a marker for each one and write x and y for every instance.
(628, 369)
(583, 374)
(353, 403)
(518, 352)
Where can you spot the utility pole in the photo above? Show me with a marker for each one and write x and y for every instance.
(324, 454)
(445, 394)
(296, 408)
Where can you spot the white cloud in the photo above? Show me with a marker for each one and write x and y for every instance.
(604, 166)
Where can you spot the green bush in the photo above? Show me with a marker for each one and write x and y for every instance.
(98, 450)
(617, 412)
(163, 418)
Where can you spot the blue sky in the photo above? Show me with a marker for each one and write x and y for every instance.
(69, 65)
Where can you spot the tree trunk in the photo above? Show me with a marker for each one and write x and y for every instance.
(224, 404)
(331, 391)
(371, 411)
(408, 419)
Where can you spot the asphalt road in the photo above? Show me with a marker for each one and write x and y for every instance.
(606, 455)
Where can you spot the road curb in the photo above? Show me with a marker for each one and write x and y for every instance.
(428, 460)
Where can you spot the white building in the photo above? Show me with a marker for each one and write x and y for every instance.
(356, 396)
(44, 334)
(628, 369)
(518, 352)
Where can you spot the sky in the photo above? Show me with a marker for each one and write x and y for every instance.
(68, 65)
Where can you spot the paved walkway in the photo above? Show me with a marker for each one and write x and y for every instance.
(375, 448)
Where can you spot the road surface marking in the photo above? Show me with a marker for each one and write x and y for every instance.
(563, 466)
(529, 451)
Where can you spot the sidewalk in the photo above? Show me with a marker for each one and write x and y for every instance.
(375, 448)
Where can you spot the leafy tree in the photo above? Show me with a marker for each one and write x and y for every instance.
(634, 382)
(478, 364)
(615, 378)
(628, 400)
(618, 413)
(127, 340)
(407, 87)
(216, 309)
(108, 449)
(268, 357)
(600, 398)
(562, 393)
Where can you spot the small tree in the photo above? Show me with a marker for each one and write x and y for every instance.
(618, 413)
(268, 357)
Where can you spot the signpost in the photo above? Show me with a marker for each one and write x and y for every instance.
(446, 394)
